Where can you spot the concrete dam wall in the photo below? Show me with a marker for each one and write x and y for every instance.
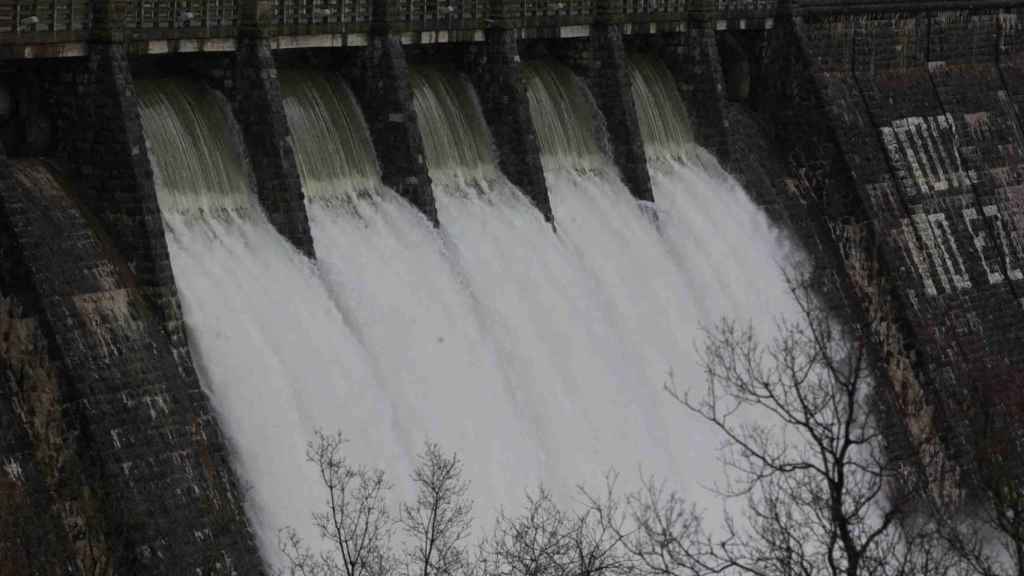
(227, 224)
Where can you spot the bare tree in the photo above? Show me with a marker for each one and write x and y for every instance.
(804, 452)
(598, 532)
(355, 521)
(985, 525)
(438, 521)
(535, 543)
(545, 540)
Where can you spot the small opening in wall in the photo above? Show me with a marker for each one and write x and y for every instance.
(736, 67)
(26, 126)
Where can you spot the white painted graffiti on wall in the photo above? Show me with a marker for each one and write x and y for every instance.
(923, 152)
(940, 245)
(930, 246)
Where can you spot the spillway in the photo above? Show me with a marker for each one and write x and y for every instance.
(713, 229)
(273, 351)
(389, 270)
(539, 356)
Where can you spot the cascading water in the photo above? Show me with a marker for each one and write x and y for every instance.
(709, 222)
(664, 123)
(273, 350)
(660, 283)
(568, 128)
(333, 149)
(388, 269)
(549, 319)
(455, 136)
(538, 357)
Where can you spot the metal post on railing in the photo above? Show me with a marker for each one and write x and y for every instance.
(106, 26)
(256, 14)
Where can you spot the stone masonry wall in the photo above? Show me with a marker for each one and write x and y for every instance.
(988, 139)
(32, 489)
(601, 61)
(248, 77)
(379, 77)
(497, 78)
(158, 486)
(921, 124)
(96, 114)
(800, 175)
(137, 419)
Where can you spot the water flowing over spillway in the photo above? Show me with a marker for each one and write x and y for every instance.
(272, 349)
(539, 356)
(712, 227)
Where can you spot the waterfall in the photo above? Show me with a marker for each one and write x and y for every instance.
(274, 353)
(455, 136)
(540, 357)
(186, 137)
(711, 225)
(664, 123)
(569, 129)
(388, 269)
(334, 153)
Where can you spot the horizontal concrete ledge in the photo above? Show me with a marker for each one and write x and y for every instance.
(180, 46)
(541, 32)
(839, 7)
(319, 41)
(745, 24)
(54, 50)
(480, 35)
(440, 36)
(637, 28)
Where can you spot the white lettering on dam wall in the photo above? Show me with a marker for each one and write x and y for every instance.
(925, 158)
(931, 247)
(920, 158)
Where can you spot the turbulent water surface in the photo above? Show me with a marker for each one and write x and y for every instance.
(539, 356)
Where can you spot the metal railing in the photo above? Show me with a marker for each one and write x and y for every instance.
(308, 16)
(746, 8)
(641, 10)
(437, 14)
(25, 21)
(200, 16)
(556, 12)
(41, 18)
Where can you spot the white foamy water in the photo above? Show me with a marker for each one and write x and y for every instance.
(274, 352)
(537, 356)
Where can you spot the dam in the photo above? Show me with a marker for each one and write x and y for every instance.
(497, 225)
